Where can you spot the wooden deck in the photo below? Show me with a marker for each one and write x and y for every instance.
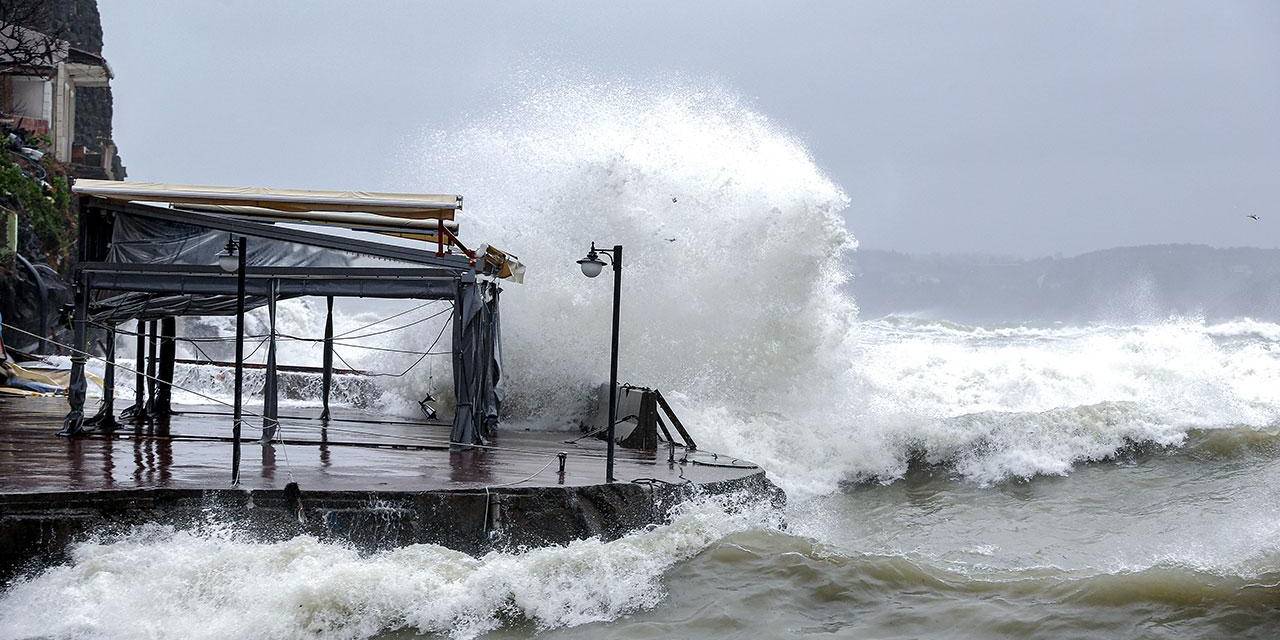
(353, 451)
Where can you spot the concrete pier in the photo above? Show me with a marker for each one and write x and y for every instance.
(373, 482)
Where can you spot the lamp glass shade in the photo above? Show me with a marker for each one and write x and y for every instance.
(228, 261)
(591, 266)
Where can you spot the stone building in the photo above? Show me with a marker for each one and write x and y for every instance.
(66, 95)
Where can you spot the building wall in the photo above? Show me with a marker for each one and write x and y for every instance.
(94, 105)
(32, 97)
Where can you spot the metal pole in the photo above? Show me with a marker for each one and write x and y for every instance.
(613, 359)
(140, 378)
(271, 388)
(107, 414)
(327, 376)
(73, 424)
(236, 414)
(153, 333)
(168, 352)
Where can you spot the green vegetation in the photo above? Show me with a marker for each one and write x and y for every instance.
(48, 211)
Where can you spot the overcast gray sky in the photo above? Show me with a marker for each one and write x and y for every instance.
(1027, 128)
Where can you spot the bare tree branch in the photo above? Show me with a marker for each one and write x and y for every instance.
(30, 36)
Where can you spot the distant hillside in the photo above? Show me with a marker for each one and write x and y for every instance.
(1128, 284)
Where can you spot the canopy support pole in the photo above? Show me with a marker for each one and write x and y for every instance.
(153, 333)
(137, 412)
(327, 379)
(168, 354)
(239, 384)
(270, 390)
(73, 425)
(105, 419)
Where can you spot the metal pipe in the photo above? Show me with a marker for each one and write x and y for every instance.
(239, 385)
(42, 301)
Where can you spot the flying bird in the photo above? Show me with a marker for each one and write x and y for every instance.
(671, 239)
(673, 198)
(1254, 217)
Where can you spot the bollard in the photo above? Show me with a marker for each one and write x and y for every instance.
(563, 456)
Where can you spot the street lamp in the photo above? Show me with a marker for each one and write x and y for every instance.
(591, 267)
(232, 260)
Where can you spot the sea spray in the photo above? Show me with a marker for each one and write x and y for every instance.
(733, 238)
(213, 582)
(734, 305)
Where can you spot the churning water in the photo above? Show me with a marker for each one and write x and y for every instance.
(945, 480)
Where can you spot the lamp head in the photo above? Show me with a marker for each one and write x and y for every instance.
(228, 261)
(592, 264)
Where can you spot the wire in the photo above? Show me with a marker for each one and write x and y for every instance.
(365, 346)
(415, 362)
(420, 359)
(391, 317)
(255, 349)
(403, 326)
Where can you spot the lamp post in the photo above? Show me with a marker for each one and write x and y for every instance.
(232, 259)
(591, 267)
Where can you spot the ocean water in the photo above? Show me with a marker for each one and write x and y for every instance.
(1113, 480)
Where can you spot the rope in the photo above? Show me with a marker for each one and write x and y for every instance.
(411, 367)
(255, 349)
(382, 375)
(403, 326)
(288, 468)
(391, 317)
(523, 480)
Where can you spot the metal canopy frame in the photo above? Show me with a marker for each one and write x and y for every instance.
(356, 282)
(238, 226)
(436, 275)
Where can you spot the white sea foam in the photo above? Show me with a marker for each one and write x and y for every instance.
(210, 583)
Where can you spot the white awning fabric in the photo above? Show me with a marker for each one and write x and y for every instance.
(406, 215)
(400, 205)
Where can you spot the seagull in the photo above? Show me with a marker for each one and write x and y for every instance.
(673, 198)
(1254, 217)
(671, 239)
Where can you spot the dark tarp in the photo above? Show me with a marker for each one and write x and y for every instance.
(493, 380)
(145, 240)
(476, 371)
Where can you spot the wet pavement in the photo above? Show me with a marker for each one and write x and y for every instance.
(353, 451)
